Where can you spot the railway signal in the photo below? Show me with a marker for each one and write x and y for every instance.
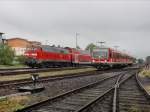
(35, 77)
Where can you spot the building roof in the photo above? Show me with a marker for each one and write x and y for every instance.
(17, 38)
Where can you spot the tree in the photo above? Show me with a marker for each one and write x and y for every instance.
(6, 55)
(140, 61)
(78, 47)
(21, 59)
(90, 47)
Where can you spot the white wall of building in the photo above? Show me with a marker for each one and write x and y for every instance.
(19, 50)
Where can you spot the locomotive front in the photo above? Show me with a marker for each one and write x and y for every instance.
(31, 57)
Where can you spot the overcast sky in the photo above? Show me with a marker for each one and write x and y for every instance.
(122, 23)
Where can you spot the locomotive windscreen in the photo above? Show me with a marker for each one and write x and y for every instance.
(100, 53)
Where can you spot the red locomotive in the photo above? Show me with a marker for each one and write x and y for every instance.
(108, 57)
(51, 56)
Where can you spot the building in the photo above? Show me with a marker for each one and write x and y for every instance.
(20, 45)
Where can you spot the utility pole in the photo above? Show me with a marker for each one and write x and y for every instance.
(77, 39)
(101, 43)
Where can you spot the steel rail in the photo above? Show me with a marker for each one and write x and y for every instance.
(115, 94)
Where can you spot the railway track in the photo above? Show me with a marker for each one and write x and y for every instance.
(121, 93)
(28, 80)
(77, 100)
(51, 78)
(128, 95)
(4, 84)
(133, 97)
(18, 71)
(10, 87)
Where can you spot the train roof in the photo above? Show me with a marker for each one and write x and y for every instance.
(114, 50)
(54, 49)
(78, 50)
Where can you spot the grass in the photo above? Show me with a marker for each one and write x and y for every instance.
(134, 109)
(145, 73)
(44, 74)
(12, 66)
(13, 103)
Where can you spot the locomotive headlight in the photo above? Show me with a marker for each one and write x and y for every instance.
(34, 54)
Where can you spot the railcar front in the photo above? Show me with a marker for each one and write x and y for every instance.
(101, 58)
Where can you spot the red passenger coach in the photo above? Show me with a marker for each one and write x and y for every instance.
(80, 57)
(108, 57)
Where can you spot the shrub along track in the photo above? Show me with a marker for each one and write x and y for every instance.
(79, 99)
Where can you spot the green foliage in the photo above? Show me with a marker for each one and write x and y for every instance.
(90, 47)
(21, 59)
(145, 73)
(140, 61)
(78, 47)
(6, 55)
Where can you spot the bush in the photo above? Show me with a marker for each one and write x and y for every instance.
(6, 55)
(21, 59)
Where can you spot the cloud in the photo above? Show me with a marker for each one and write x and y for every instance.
(123, 23)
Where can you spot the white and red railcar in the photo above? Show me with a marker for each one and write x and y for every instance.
(108, 57)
